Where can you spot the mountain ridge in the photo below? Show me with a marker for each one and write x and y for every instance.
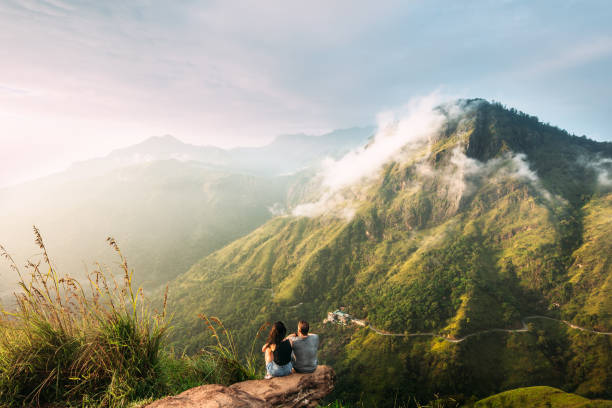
(243, 159)
(443, 241)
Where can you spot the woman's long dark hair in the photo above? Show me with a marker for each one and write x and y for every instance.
(277, 333)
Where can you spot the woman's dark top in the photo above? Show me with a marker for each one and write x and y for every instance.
(282, 353)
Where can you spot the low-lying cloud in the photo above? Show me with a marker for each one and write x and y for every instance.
(277, 210)
(461, 177)
(469, 173)
(603, 168)
(399, 134)
(408, 129)
(407, 135)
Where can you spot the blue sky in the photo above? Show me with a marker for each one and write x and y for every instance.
(80, 78)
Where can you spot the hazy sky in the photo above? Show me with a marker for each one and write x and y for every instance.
(80, 78)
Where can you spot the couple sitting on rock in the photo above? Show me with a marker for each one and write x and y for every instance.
(297, 352)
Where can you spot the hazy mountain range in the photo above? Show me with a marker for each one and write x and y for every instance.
(286, 154)
(167, 203)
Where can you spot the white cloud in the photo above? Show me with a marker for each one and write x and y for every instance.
(409, 129)
(466, 173)
(277, 209)
(463, 175)
(334, 204)
(400, 134)
(345, 182)
(12, 90)
(603, 167)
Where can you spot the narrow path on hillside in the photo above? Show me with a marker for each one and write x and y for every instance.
(460, 339)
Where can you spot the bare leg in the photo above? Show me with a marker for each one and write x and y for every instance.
(269, 356)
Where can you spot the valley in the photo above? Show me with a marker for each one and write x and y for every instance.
(470, 239)
(424, 185)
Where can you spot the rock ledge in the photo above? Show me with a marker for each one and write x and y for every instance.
(293, 391)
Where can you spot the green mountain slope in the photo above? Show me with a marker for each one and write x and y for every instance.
(539, 397)
(590, 283)
(476, 229)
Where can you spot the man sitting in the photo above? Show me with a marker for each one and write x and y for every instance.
(305, 347)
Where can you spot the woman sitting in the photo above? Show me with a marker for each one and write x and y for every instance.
(277, 352)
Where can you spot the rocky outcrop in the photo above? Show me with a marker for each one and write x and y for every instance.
(210, 396)
(293, 391)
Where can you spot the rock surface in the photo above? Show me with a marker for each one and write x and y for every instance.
(293, 391)
(210, 396)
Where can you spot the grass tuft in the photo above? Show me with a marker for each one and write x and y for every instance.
(98, 345)
(63, 342)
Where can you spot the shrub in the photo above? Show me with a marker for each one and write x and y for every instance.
(231, 367)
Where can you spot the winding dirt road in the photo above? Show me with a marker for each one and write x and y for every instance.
(460, 339)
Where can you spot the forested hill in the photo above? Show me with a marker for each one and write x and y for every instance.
(567, 164)
(493, 217)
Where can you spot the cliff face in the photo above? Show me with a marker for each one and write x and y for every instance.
(293, 391)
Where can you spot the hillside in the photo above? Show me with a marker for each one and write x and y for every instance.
(539, 397)
(487, 218)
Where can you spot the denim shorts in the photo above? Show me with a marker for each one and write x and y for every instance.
(275, 370)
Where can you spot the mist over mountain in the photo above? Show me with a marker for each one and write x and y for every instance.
(179, 177)
(446, 228)
(285, 154)
(166, 202)
(455, 219)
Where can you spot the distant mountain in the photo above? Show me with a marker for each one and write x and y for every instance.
(152, 149)
(286, 154)
(291, 153)
(166, 202)
(492, 217)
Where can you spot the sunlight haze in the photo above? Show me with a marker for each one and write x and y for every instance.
(81, 78)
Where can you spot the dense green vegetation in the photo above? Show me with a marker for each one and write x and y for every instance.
(532, 397)
(485, 225)
(539, 397)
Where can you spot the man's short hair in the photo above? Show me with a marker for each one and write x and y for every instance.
(303, 327)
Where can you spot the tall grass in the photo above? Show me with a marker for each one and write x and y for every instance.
(96, 344)
(232, 367)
